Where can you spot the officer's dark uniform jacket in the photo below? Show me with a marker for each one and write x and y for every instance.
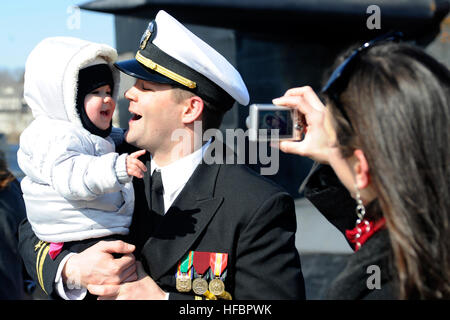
(223, 208)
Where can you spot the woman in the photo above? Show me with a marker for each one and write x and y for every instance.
(385, 134)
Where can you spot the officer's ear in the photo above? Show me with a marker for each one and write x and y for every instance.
(192, 109)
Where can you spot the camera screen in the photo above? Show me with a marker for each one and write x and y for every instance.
(276, 119)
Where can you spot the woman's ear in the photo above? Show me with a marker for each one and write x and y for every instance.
(361, 169)
(192, 109)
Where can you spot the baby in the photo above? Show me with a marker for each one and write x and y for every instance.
(76, 186)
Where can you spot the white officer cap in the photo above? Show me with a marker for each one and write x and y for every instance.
(170, 53)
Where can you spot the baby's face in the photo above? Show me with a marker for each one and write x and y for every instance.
(99, 106)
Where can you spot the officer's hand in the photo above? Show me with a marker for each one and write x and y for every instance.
(96, 265)
(315, 143)
(135, 167)
(142, 289)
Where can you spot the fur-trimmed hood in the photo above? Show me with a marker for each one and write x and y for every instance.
(51, 75)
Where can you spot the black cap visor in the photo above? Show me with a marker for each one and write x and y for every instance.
(137, 70)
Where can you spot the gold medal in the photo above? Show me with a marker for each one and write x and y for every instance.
(183, 283)
(184, 273)
(216, 287)
(209, 296)
(199, 286)
(225, 296)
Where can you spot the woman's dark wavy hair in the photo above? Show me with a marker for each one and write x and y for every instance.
(397, 104)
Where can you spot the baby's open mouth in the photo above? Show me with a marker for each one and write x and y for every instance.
(104, 113)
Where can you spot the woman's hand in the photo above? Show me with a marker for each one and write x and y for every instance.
(315, 143)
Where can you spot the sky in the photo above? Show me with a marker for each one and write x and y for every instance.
(24, 23)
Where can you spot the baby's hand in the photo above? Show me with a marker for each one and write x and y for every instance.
(135, 167)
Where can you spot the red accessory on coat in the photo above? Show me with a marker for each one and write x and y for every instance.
(363, 231)
(55, 249)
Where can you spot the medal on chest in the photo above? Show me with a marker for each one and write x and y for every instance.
(201, 267)
(184, 273)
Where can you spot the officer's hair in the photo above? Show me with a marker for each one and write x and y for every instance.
(211, 118)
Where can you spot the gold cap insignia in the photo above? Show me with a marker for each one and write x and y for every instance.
(147, 34)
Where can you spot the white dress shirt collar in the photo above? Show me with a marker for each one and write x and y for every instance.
(175, 175)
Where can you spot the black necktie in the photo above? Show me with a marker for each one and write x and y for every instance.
(157, 193)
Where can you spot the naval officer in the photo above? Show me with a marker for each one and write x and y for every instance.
(200, 230)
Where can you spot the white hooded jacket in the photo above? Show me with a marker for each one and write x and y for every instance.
(76, 186)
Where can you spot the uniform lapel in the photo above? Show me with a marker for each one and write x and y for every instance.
(147, 175)
(184, 221)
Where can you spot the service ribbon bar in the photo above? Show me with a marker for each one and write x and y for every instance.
(187, 262)
(218, 263)
(201, 262)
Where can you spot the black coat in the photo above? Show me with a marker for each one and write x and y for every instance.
(224, 209)
(12, 211)
(331, 198)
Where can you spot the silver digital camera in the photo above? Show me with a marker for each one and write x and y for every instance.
(268, 122)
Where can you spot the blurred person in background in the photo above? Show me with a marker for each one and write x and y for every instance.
(12, 211)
